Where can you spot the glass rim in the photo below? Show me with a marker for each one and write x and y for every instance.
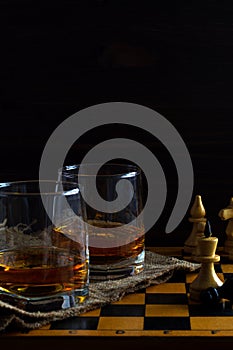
(38, 193)
(133, 170)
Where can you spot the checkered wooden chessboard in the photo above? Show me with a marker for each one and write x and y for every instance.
(160, 310)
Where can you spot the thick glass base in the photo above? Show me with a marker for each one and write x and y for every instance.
(45, 304)
(125, 268)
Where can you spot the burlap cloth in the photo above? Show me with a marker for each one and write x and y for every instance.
(158, 269)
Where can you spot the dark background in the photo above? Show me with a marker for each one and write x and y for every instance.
(175, 57)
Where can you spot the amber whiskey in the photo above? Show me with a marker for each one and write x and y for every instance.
(127, 243)
(41, 271)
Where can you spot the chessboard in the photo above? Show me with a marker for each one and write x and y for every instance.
(163, 310)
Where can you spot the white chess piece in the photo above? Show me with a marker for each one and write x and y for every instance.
(197, 218)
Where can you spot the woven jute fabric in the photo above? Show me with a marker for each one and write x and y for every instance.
(158, 269)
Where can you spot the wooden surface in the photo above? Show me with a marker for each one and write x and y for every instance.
(160, 312)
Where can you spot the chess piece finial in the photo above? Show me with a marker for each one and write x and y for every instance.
(227, 214)
(198, 219)
(197, 210)
(207, 276)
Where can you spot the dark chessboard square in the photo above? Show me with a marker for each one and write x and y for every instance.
(187, 287)
(76, 323)
(123, 310)
(227, 275)
(178, 277)
(167, 323)
(218, 268)
(141, 290)
(166, 298)
(220, 309)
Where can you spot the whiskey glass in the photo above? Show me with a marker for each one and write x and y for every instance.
(44, 258)
(116, 236)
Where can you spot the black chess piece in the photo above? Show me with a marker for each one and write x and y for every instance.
(213, 295)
